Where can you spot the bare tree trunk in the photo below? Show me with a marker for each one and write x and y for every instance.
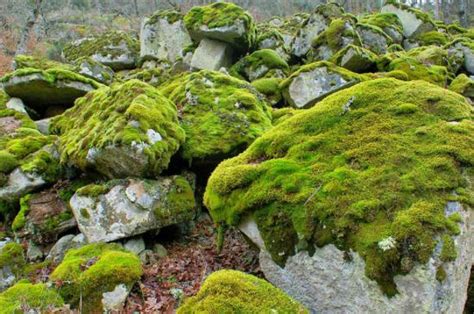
(30, 24)
(135, 6)
(436, 9)
(463, 13)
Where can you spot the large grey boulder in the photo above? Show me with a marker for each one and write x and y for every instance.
(373, 38)
(95, 70)
(156, 40)
(316, 81)
(125, 208)
(331, 281)
(212, 55)
(20, 183)
(414, 22)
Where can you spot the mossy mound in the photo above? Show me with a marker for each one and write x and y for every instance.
(93, 269)
(26, 297)
(385, 21)
(259, 64)
(270, 87)
(24, 61)
(377, 161)
(417, 70)
(230, 291)
(129, 129)
(220, 114)
(171, 16)
(222, 21)
(12, 257)
(463, 85)
(154, 76)
(433, 38)
(113, 48)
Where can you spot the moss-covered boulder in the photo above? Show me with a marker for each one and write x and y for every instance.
(314, 81)
(433, 38)
(414, 21)
(270, 36)
(28, 160)
(12, 263)
(313, 26)
(340, 33)
(355, 59)
(261, 63)
(41, 88)
(231, 291)
(123, 208)
(463, 85)
(370, 169)
(155, 39)
(417, 70)
(220, 114)
(129, 129)
(389, 23)
(373, 38)
(270, 87)
(95, 70)
(26, 297)
(88, 272)
(154, 76)
(115, 49)
(222, 21)
(464, 48)
(26, 61)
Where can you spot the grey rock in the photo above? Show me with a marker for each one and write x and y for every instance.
(315, 25)
(309, 87)
(135, 245)
(67, 242)
(212, 55)
(7, 278)
(115, 299)
(372, 39)
(327, 282)
(356, 59)
(147, 257)
(394, 34)
(132, 207)
(412, 25)
(33, 253)
(234, 34)
(155, 39)
(160, 250)
(43, 125)
(20, 183)
(36, 91)
(16, 104)
(95, 70)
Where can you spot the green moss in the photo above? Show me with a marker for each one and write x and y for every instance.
(463, 85)
(179, 200)
(20, 219)
(365, 58)
(383, 169)
(155, 76)
(8, 161)
(270, 87)
(93, 190)
(93, 269)
(121, 115)
(230, 291)
(383, 21)
(334, 35)
(24, 61)
(103, 45)
(448, 251)
(172, 16)
(3, 99)
(433, 38)
(440, 274)
(24, 297)
(220, 14)
(416, 70)
(281, 114)
(13, 257)
(261, 63)
(44, 163)
(220, 114)
(395, 48)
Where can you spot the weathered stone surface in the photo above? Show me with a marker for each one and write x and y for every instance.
(412, 24)
(316, 81)
(212, 55)
(34, 252)
(133, 207)
(20, 183)
(39, 89)
(329, 282)
(43, 125)
(373, 38)
(156, 40)
(354, 58)
(114, 300)
(69, 241)
(16, 104)
(135, 245)
(95, 70)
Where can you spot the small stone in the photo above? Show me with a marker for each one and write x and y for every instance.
(114, 300)
(160, 250)
(43, 125)
(16, 104)
(33, 253)
(135, 245)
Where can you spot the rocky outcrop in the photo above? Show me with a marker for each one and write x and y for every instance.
(123, 209)
(414, 22)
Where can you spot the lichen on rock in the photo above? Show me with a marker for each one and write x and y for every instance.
(129, 129)
(231, 291)
(380, 159)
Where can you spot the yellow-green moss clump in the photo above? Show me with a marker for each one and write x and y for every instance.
(25, 297)
(24, 61)
(433, 38)
(231, 291)
(463, 85)
(109, 125)
(212, 20)
(12, 257)
(371, 164)
(93, 269)
(385, 21)
(270, 87)
(261, 63)
(221, 114)
(339, 33)
(416, 70)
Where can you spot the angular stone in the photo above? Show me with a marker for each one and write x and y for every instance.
(354, 58)
(114, 300)
(43, 125)
(95, 70)
(412, 24)
(17, 105)
(155, 39)
(135, 245)
(133, 207)
(373, 38)
(313, 83)
(212, 55)
(20, 183)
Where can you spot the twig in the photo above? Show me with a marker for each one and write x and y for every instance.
(313, 194)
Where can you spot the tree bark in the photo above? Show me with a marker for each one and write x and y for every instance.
(29, 25)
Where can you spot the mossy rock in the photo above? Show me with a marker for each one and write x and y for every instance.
(355, 59)
(154, 76)
(270, 87)
(92, 270)
(115, 49)
(387, 22)
(53, 86)
(433, 38)
(373, 38)
(380, 159)
(25, 61)
(231, 291)
(414, 21)
(220, 114)
(26, 297)
(12, 257)
(95, 70)
(416, 70)
(261, 63)
(463, 85)
(222, 21)
(129, 129)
